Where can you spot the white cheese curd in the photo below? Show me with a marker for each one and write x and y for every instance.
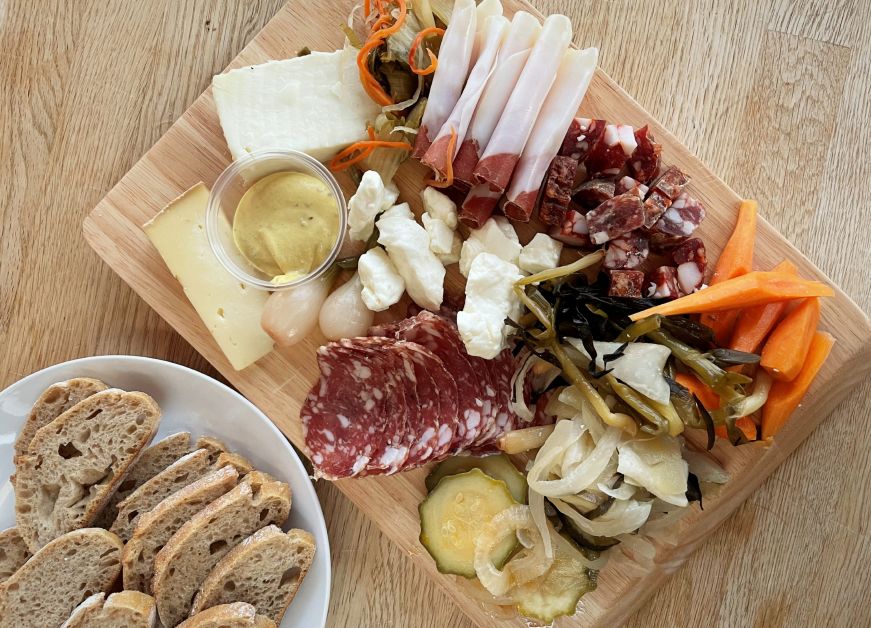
(365, 205)
(382, 284)
(407, 245)
(314, 104)
(490, 298)
(439, 206)
(542, 253)
(453, 256)
(441, 237)
(496, 236)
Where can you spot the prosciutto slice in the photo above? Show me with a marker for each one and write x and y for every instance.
(560, 106)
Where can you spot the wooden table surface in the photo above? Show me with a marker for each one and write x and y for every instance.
(773, 95)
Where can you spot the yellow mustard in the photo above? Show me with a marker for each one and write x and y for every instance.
(286, 224)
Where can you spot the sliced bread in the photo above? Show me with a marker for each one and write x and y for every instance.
(192, 552)
(13, 553)
(187, 469)
(157, 526)
(153, 460)
(59, 577)
(237, 615)
(264, 570)
(78, 460)
(53, 402)
(130, 609)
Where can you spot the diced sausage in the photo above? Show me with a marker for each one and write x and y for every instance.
(608, 156)
(627, 251)
(615, 217)
(626, 283)
(557, 190)
(594, 192)
(664, 243)
(663, 283)
(691, 261)
(644, 162)
(682, 218)
(627, 184)
(671, 183)
(654, 207)
(582, 135)
(574, 230)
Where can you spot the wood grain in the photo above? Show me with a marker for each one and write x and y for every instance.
(772, 95)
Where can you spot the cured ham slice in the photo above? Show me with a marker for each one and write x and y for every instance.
(546, 139)
(479, 205)
(455, 57)
(437, 156)
(519, 40)
(522, 109)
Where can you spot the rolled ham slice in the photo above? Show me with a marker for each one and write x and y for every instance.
(510, 61)
(455, 55)
(436, 156)
(560, 106)
(516, 122)
(479, 205)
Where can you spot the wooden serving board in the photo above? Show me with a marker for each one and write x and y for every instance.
(194, 150)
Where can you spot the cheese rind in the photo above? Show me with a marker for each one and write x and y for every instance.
(230, 310)
(314, 104)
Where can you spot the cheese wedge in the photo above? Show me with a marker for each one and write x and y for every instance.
(230, 310)
(314, 104)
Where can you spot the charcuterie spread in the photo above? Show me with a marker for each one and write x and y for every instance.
(595, 332)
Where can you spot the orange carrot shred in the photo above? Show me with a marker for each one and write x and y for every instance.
(384, 33)
(362, 149)
(412, 52)
(367, 8)
(370, 84)
(449, 168)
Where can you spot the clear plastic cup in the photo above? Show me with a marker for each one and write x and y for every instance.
(228, 190)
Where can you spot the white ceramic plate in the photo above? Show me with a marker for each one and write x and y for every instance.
(200, 405)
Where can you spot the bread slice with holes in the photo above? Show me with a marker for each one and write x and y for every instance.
(130, 609)
(54, 401)
(157, 526)
(264, 570)
(77, 461)
(13, 553)
(153, 460)
(236, 615)
(182, 566)
(184, 471)
(59, 577)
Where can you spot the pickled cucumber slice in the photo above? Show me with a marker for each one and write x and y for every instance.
(498, 467)
(453, 515)
(557, 592)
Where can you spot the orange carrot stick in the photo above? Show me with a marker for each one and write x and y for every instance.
(755, 323)
(785, 351)
(754, 288)
(735, 260)
(706, 395)
(785, 397)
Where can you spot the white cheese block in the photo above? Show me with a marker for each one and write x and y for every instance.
(365, 205)
(490, 299)
(438, 205)
(382, 284)
(542, 253)
(495, 236)
(407, 245)
(441, 237)
(314, 104)
(230, 310)
(456, 247)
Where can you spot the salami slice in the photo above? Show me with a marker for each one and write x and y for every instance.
(475, 404)
(348, 410)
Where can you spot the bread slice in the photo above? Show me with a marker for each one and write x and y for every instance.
(157, 526)
(264, 570)
(189, 468)
(67, 570)
(236, 615)
(192, 552)
(78, 460)
(54, 401)
(154, 460)
(130, 609)
(13, 553)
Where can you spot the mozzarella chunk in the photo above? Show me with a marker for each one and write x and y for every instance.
(542, 253)
(407, 245)
(382, 284)
(496, 236)
(441, 237)
(490, 299)
(365, 205)
(454, 255)
(399, 211)
(439, 206)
